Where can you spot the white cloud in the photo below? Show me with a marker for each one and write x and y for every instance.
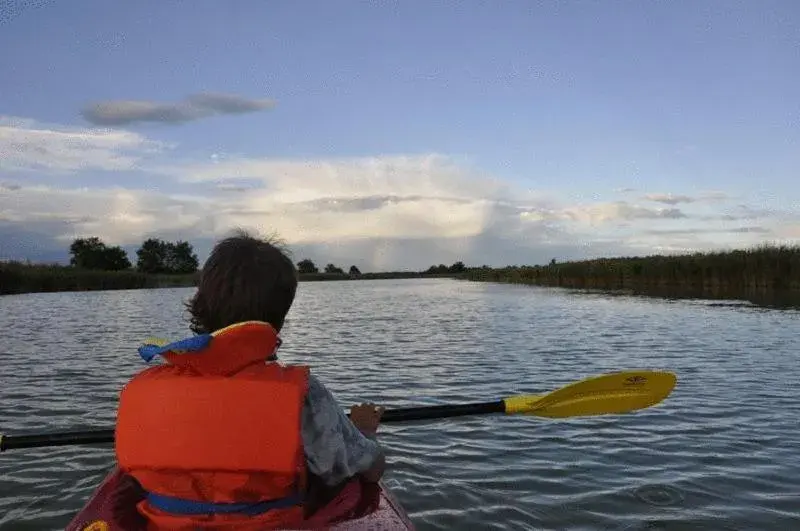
(306, 215)
(404, 211)
(26, 145)
(381, 197)
(116, 214)
(306, 180)
(602, 213)
(393, 207)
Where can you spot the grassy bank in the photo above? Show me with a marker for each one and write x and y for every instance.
(24, 278)
(756, 274)
(762, 272)
(17, 277)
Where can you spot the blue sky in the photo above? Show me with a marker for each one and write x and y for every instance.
(402, 134)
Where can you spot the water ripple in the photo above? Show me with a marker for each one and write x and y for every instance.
(720, 453)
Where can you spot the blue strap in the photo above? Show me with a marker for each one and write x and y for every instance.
(181, 506)
(150, 350)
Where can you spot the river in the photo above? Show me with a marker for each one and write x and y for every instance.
(720, 453)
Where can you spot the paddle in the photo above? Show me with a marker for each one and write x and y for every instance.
(607, 394)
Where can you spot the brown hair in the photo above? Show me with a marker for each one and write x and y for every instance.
(244, 279)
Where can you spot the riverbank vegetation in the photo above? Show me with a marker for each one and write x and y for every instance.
(766, 272)
(18, 277)
(749, 274)
(154, 256)
(93, 265)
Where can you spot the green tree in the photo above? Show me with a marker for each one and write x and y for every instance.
(158, 256)
(354, 271)
(116, 259)
(151, 256)
(181, 258)
(441, 268)
(331, 268)
(457, 267)
(86, 253)
(307, 266)
(92, 253)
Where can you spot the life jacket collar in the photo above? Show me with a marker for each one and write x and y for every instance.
(223, 352)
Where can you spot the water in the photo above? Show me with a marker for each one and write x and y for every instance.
(720, 453)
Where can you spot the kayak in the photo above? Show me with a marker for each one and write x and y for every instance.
(358, 506)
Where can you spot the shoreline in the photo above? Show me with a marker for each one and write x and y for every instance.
(18, 279)
(775, 300)
(765, 276)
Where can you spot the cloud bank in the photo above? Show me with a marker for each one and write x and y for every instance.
(381, 212)
(195, 107)
(29, 146)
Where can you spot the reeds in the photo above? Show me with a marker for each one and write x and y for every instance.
(739, 274)
(18, 277)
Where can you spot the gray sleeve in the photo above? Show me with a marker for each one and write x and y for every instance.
(335, 449)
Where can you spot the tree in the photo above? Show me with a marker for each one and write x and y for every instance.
(158, 256)
(116, 259)
(86, 253)
(92, 253)
(354, 271)
(181, 258)
(151, 256)
(306, 266)
(332, 269)
(457, 267)
(441, 268)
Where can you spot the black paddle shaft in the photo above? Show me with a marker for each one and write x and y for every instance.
(107, 436)
(440, 412)
(63, 438)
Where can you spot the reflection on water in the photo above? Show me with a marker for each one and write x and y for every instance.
(660, 495)
(719, 453)
(770, 299)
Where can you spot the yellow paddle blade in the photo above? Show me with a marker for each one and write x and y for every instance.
(608, 394)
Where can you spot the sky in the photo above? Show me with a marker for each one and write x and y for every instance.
(396, 135)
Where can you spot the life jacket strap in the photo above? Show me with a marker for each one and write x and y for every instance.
(182, 506)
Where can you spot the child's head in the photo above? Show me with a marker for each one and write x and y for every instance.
(244, 279)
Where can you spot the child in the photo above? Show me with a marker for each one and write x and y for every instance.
(222, 433)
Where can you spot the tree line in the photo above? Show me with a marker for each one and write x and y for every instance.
(307, 266)
(154, 256)
(440, 269)
(753, 274)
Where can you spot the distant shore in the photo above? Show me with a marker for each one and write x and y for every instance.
(17, 278)
(763, 275)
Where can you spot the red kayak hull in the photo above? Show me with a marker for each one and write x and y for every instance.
(112, 507)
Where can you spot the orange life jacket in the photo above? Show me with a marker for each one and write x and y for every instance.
(214, 435)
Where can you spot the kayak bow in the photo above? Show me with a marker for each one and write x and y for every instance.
(359, 506)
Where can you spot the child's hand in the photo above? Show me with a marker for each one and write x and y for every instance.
(367, 417)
